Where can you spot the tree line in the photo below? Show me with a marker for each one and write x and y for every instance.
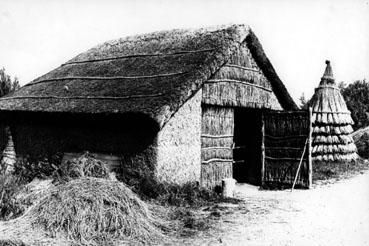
(7, 84)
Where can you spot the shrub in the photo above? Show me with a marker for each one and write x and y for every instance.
(34, 167)
(9, 186)
(357, 100)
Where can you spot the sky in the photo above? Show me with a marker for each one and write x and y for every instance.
(37, 36)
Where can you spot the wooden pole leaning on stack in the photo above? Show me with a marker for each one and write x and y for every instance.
(332, 122)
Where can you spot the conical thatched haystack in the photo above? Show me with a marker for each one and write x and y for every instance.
(9, 156)
(332, 140)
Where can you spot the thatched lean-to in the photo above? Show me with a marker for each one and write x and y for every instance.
(332, 122)
(169, 103)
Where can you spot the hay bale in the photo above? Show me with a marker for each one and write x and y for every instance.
(92, 211)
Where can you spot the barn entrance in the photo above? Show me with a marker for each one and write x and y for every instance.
(247, 146)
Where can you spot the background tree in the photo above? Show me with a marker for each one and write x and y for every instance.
(356, 96)
(304, 103)
(7, 84)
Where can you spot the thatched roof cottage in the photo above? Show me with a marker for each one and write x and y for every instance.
(179, 102)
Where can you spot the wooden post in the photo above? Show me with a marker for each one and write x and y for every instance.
(262, 149)
(310, 165)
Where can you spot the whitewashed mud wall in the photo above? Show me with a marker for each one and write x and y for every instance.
(179, 145)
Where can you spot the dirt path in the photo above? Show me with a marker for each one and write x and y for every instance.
(336, 214)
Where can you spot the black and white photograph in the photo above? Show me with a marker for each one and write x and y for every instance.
(159, 122)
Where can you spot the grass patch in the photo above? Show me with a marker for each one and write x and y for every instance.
(191, 194)
(10, 185)
(323, 171)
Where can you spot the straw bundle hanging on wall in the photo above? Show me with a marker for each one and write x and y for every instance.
(332, 140)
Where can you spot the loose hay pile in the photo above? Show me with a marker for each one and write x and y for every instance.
(84, 166)
(31, 193)
(92, 211)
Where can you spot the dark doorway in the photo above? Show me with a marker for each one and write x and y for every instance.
(247, 146)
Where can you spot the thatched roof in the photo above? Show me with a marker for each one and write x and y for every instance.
(151, 73)
(332, 140)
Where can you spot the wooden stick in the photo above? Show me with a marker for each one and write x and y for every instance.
(216, 147)
(310, 165)
(214, 136)
(80, 97)
(298, 168)
(262, 149)
(243, 68)
(216, 159)
(237, 81)
(104, 78)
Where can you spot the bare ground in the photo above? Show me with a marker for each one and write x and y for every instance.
(331, 214)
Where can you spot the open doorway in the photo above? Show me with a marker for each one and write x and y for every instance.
(247, 146)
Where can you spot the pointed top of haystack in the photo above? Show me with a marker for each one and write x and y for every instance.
(328, 74)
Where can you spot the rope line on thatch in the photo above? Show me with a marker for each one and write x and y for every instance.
(138, 55)
(217, 159)
(215, 147)
(81, 97)
(237, 81)
(328, 86)
(242, 67)
(283, 159)
(239, 147)
(231, 102)
(285, 137)
(105, 78)
(283, 148)
(214, 136)
(332, 112)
